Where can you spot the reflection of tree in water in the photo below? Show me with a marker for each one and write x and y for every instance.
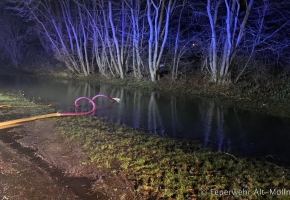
(85, 89)
(154, 118)
(213, 121)
(174, 119)
(137, 96)
(220, 127)
(207, 112)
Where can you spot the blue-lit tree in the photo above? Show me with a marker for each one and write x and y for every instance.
(158, 15)
(103, 52)
(64, 25)
(137, 24)
(266, 40)
(227, 23)
(134, 37)
(245, 36)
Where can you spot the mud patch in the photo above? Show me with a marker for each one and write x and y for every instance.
(42, 164)
(21, 179)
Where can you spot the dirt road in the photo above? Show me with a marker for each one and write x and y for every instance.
(37, 162)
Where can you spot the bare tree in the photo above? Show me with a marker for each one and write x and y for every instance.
(65, 26)
(227, 31)
(106, 33)
(264, 42)
(110, 39)
(158, 20)
(118, 48)
(136, 22)
(99, 47)
(117, 37)
(102, 52)
(177, 54)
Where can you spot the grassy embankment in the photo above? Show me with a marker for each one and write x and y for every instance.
(14, 106)
(168, 169)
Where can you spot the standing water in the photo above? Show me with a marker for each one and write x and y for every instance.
(176, 116)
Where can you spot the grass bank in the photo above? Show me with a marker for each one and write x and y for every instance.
(13, 105)
(162, 168)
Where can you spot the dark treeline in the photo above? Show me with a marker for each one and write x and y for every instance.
(227, 39)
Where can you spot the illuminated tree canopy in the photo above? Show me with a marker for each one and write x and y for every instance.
(145, 38)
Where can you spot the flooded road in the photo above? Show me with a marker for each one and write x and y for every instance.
(215, 125)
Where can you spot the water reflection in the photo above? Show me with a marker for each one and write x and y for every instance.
(177, 116)
(213, 118)
(155, 124)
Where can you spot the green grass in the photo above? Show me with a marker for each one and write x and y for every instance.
(14, 106)
(13, 100)
(166, 168)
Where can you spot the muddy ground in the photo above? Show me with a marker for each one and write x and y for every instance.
(37, 162)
